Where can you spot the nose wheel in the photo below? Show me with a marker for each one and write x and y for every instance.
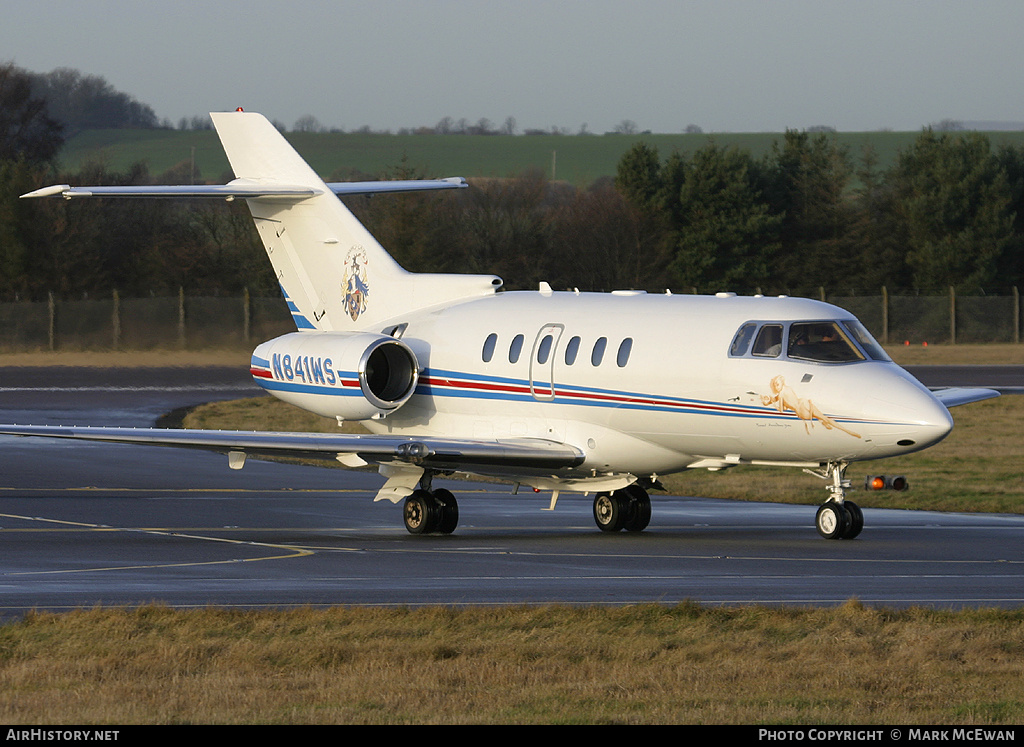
(838, 518)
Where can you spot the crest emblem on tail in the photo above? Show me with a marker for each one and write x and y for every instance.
(354, 283)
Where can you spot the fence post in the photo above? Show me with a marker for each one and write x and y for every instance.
(51, 329)
(885, 315)
(1016, 315)
(952, 316)
(116, 321)
(181, 317)
(246, 313)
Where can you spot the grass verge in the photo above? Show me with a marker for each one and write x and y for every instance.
(645, 664)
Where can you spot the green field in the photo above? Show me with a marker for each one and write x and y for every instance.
(579, 159)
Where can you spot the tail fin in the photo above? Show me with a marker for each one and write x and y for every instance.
(333, 272)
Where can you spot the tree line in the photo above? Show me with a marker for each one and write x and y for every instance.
(947, 213)
(805, 216)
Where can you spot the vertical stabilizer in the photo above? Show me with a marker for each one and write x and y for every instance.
(333, 272)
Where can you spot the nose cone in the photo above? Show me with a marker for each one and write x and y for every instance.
(910, 417)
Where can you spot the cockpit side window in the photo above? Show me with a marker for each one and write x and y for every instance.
(866, 341)
(741, 342)
(823, 342)
(769, 341)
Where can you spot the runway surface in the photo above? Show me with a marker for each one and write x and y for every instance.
(84, 524)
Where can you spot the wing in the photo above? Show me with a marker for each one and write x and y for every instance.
(410, 455)
(248, 189)
(962, 396)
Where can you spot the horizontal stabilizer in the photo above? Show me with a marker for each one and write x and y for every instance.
(245, 189)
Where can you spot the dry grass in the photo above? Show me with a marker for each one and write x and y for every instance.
(130, 358)
(644, 664)
(946, 355)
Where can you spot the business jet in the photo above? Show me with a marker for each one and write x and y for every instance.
(593, 393)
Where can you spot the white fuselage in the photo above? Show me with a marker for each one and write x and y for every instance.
(666, 394)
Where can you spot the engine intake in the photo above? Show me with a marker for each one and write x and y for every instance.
(388, 373)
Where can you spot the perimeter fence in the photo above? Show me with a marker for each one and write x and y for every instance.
(948, 318)
(202, 322)
(151, 323)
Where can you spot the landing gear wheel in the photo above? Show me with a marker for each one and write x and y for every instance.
(449, 509)
(609, 511)
(832, 520)
(856, 523)
(638, 513)
(421, 513)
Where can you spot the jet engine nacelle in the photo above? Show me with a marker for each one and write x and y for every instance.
(348, 375)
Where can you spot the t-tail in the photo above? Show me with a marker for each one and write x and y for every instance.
(333, 272)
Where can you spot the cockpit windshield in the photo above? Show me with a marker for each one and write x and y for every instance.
(826, 341)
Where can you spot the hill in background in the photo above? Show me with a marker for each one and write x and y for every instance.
(578, 159)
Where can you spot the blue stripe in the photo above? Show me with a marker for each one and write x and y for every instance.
(300, 388)
(301, 322)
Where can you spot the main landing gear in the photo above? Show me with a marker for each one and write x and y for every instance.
(838, 518)
(428, 511)
(628, 508)
(431, 512)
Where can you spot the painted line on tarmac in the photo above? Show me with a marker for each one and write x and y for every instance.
(291, 552)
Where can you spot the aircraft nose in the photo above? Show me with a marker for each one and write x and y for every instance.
(923, 420)
(935, 422)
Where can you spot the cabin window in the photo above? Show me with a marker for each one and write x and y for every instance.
(515, 349)
(622, 357)
(598, 352)
(769, 341)
(741, 342)
(489, 344)
(572, 350)
(544, 350)
(822, 342)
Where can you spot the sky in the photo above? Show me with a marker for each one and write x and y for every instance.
(723, 65)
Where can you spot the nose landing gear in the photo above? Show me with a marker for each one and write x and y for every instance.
(838, 518)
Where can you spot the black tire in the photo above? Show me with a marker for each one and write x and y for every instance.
(609, 511)
(831, 520)
(449, 511)
(421, 513)
(856, 524)
(638, 514)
